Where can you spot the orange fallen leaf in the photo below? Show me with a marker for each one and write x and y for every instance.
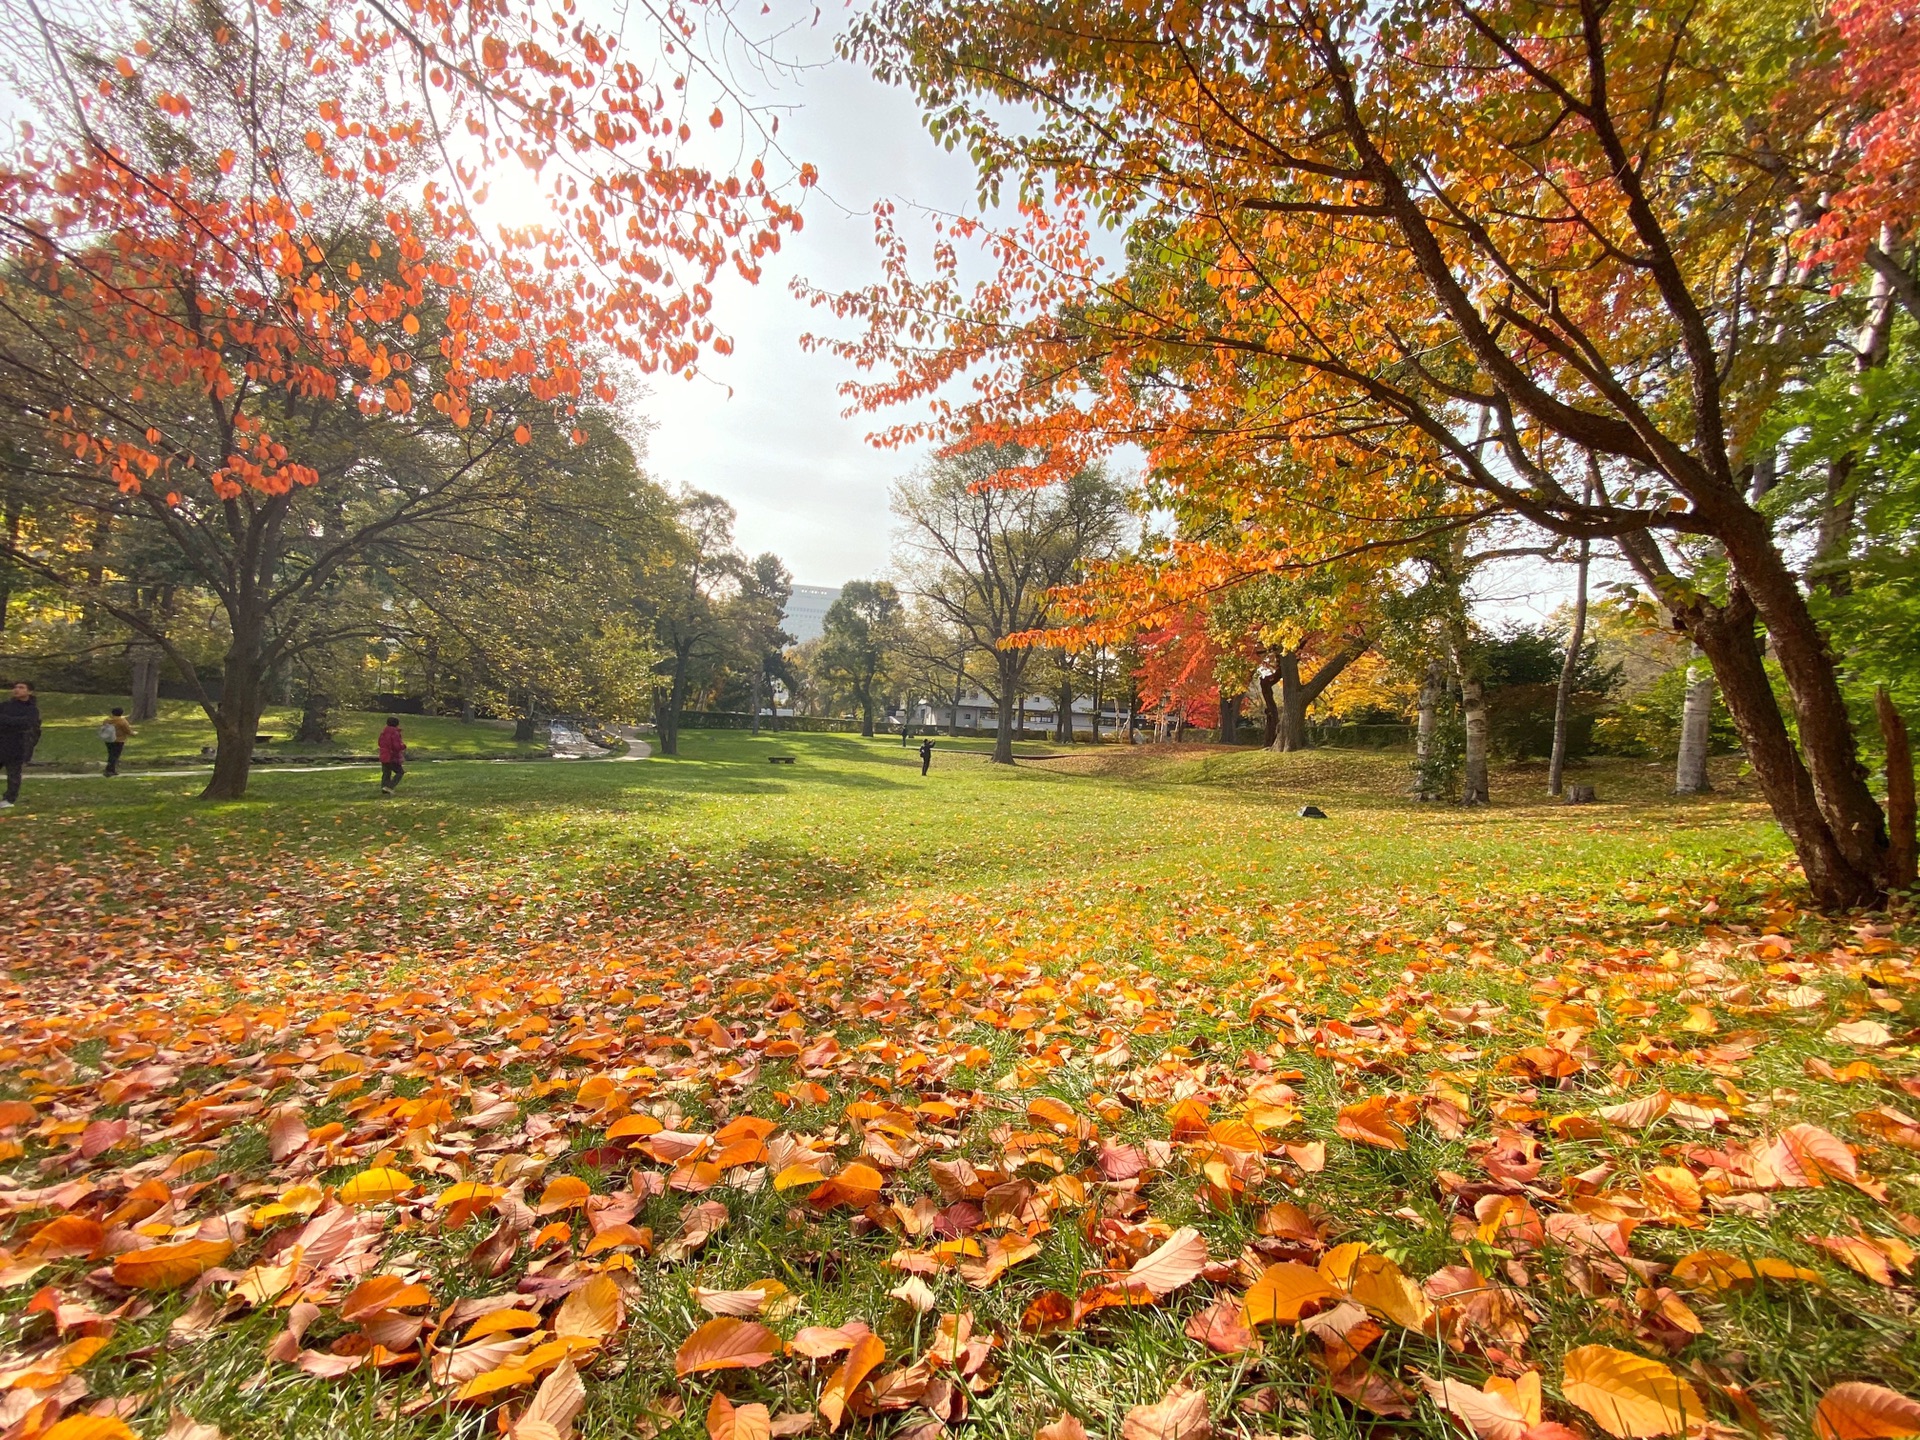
(168, 1267)
(1856, 1410)
(725, 1344)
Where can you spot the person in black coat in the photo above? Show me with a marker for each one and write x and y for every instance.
(19, 733)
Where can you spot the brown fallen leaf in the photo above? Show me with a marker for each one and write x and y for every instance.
(1180, 1415)
(1222, 1328)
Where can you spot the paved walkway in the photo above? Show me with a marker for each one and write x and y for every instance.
(637, 749)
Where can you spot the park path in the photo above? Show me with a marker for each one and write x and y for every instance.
(637, 749)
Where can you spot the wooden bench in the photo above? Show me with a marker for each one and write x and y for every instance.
(780, 759)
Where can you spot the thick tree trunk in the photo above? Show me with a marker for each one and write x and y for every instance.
(144, 687)
(1010, 668)
(1269, 708)
(1229, 719)
(1900, 804)
(523, 728)
(1843, 801)
(1727, 638)
(866, 714)
(1696, 723)
(1297, 692)
(1563, 697)
(1063, 710)
(315, 720)
(236, 720)
(1430, 688)
(1290, 733)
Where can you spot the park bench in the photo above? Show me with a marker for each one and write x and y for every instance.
(780, 759)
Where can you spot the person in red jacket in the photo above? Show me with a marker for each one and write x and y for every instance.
(393, 754)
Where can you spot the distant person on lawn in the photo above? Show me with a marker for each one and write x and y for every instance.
(19, 733)
(114, 732)
(926, 755)
(393, 754)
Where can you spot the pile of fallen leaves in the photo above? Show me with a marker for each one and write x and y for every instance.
(1513, 1171)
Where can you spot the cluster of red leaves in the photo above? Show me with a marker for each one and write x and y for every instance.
(463, 1092)
(1878, 77)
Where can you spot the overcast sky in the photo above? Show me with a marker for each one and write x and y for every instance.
(805, 481)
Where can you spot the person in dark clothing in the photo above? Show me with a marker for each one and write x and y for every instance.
(114, 731)
(19, 733)
(393, 754)
(926, 755)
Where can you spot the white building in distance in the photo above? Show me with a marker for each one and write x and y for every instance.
(807, 611)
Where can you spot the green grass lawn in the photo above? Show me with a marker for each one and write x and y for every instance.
(473, 981)
(71, 723)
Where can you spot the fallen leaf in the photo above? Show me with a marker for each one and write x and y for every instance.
(1181, 1415)
(1280, 1294)
(1628, 1395)
(168, 1267)
(725, 1343)
(1856, 1410)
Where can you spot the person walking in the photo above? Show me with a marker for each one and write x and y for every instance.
(19, 733)
(114, 732)
(393, 754)
(926, 755)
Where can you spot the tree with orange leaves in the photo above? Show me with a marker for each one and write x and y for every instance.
(244, 255)
(1455, 259)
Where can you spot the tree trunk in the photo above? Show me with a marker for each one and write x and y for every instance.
(144, 686)
(866, 713)
(1900, 805)
(1563, 697)
(1269, 706)
(1097, 696)
(1696, 722)
(315, 716)
(953, 715)
(1843, 801)
(1229, 719)
(1133, 711)
(1292, 732)
(14, 514)
(523, 728)
(753, 701)
(668, 719)
(236, 719)
(1473, 710)
(1063, 711)
(1430, 686)
(1726, 635)
(1010, 668)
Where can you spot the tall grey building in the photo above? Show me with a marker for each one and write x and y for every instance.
(807, 611)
